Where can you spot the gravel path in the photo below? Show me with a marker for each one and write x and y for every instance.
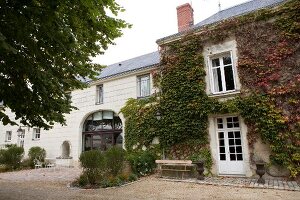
(146, 188)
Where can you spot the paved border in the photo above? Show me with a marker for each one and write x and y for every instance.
(243, 182)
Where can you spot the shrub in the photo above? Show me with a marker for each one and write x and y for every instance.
(115, 157)
(11, 157)
(93, 163)
(26, 163)
(142, 163)
(37, 153)
(82, 180)
(132, 177)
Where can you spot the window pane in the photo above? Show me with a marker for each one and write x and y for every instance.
(107, 124)
(231, 149)
(231, 141)
(229, 78)
(108, 115)
(99, 94)
(221, 135)
(232, 156)
(226, 60)
(222, 149)
(97, 116)
(222, 143)
(215, 62)
(144, 86)
(239, 156)
(220, 126)
(239, 149)
(238, 141)
(229, 119)
(237, 134)
(219, 120)
(217, 80)
(222, 157)
(230, 135)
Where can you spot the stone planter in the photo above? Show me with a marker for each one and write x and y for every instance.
(64, 162)
(260, 170)
(200, 169)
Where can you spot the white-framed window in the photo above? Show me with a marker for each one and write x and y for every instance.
(222, 73)
(143, 86)
(99, 94)
(8, 136)
(21, 138)
(36, 134)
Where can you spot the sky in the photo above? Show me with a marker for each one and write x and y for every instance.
(151, 20)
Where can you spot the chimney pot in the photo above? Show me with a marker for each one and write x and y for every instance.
(185, 17)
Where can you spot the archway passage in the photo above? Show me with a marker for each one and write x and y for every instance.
(102, 130)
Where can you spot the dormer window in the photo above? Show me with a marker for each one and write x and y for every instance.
(99, 94)
(143, 84)
(222, 73)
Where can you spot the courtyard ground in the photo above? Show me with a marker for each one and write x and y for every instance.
(49, 184)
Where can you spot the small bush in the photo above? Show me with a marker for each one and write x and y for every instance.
(142, 163)
(11, 157)
(115, 157)
(132, 177)
(93, 163)
(36, 153)
(82, 180)
(26, 164)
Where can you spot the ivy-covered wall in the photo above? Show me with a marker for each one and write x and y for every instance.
(269, 72)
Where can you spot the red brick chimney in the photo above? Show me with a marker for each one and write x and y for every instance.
(185, 17)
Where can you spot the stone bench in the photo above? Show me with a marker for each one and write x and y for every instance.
(175, 168)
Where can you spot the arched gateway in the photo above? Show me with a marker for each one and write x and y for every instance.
(102, 130)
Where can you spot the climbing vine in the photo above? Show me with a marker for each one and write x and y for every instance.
(269, 72)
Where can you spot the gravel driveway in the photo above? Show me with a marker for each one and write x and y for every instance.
(146, 188)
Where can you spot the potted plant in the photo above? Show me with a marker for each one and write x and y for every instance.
(199, 161)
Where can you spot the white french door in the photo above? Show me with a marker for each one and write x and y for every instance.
(230, 147)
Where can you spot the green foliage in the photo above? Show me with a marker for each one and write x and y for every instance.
(115, 158)
(26, 164)
(93, 163)
(142, 163)
(11, 157)
(268, 68)
(42, 61)
(83, 180)
(203, 155)
(102, 169)
(36, 153)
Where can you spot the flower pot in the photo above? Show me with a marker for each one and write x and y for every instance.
(260, 170)
(200, 169)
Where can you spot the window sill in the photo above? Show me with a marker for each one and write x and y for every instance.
(144, 97)
(225, 94)
(7, 141)
(36, 139)
(99, 103)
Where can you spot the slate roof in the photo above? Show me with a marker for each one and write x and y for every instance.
(234, 11)
(151, 59)
(134, 64)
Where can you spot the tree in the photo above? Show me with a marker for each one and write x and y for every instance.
(46, 48)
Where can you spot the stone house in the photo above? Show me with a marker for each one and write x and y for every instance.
(98, 123)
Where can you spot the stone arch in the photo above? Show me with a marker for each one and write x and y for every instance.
(101, 130)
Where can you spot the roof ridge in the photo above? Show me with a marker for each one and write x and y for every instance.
(120, 62)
